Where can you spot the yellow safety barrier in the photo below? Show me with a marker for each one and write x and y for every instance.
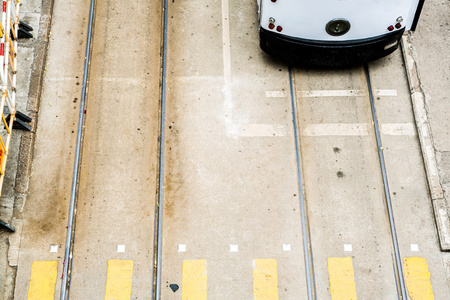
(9, 30)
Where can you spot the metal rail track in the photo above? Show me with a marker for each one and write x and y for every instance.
(398, 261)
(70, 239)
(307, 250)
(159, 203)
(308, 253)
(307, 247)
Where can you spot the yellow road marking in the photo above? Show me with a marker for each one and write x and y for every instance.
(342, 278)
(43, 280)
(265, 279)
(417, 278)
(119, 279)
(194, 280)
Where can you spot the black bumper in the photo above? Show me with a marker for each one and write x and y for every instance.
(328, 54)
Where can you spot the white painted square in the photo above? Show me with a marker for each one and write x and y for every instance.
(348, 247)
(415, 247)
(181, 248)
(234, 248)
(286, 247)
(54, 248)
(121, 248)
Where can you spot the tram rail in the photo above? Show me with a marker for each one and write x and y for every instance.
(70, 237)
(307, 246)
(398, 260)
(309, 261)
(160, 204)
(303, 215)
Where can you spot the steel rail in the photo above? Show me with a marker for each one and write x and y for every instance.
(399, 268)
(65, 285)
(157, 292)
(309, 267)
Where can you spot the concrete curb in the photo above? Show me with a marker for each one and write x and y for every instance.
(37, 74)
(26, 150)
(426, 142)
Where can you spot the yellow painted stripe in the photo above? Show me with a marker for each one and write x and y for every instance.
(194, 280)
(265, 279)
(43, 280)
(119, 279)
(342, 278)
(417, 278)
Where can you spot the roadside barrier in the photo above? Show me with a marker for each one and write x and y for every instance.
(11, 29)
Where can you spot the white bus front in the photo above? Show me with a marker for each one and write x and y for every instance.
(334, 32)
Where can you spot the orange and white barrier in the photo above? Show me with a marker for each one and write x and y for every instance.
(8, 69)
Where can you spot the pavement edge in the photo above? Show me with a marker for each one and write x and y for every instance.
(26, 150)
(440, 206)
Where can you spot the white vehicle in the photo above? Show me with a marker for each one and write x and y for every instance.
(334, 32)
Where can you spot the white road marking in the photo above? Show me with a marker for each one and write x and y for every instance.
(234, 248)
(348, 247)
(189, 79)
(276, 94)
(392, 93)
(121, 248)
(181, 248)
(414, 247)
(226, 42)
(398, 129)
(62, 79)
(354, 129)
(230, 128)
(54, 248)
(286, 247)
(261, 130)
(125, 80)
(132, 81)
(343, 93)
(331, 93)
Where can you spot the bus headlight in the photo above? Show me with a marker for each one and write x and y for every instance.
(337, 27)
